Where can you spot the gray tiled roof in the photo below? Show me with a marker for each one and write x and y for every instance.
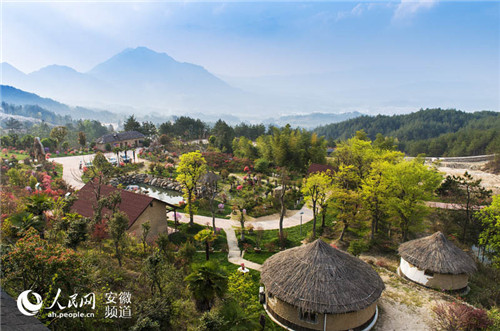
(13, 320)
(115, 137)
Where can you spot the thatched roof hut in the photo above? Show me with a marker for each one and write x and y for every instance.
(437, 254)
(436, 262)
(320, 279)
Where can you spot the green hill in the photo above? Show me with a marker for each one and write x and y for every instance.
(435, 132)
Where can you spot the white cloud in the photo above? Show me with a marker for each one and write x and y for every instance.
(409, 8)
(356, 11)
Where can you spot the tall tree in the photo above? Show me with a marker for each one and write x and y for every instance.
(190, 169)
(131, 124)
(284, 180)
(374, 192)
(210, 182)
(146, 227)
(82, 139)
(467, 191)
(59, 133)
(345, 196)
(118, 225)
(224, 135)
(489, 238)
(315, 189)
(410, 184)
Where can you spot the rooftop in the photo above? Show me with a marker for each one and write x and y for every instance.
(121, 136)
(319, 278)
(132, 204)
(437, 254)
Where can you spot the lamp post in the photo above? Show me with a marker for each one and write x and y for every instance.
(301, 213)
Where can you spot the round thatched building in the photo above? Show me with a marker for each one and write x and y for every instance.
(318, 287)
(436, 262)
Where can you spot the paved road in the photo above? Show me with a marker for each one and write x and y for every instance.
(71, 167)
(454, 206)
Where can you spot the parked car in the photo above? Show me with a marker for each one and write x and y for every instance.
(126, 159)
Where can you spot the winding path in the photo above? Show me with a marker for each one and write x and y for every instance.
(229, 226)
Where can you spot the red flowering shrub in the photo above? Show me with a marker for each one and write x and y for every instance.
(34, 262)
(219, 161)
(460, 317)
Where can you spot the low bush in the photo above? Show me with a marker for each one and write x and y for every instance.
(457, 317)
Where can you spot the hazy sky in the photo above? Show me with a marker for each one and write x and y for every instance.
(455, 40)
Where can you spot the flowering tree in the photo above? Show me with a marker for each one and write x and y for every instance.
(33, 263)
(191, 167)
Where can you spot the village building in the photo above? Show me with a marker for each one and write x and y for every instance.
(121, 139)
(435, 262)
(318, 287)
(139, 208)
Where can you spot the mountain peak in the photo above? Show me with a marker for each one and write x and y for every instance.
(56, 68)
(7, 67)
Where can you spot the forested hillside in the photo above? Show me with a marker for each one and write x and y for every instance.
(35, 112)
(435, 132)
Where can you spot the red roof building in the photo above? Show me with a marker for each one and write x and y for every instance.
(139, 208)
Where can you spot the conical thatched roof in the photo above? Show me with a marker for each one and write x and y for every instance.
(437, 254)
(319, 278)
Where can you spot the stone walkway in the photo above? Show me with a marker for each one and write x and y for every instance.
(232, 242)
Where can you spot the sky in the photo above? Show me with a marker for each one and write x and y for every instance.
(404, 41)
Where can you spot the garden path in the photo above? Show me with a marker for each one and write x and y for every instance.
(267, 224)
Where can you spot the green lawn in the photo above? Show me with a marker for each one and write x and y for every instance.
(17, 155)
(219, 257)
(294, 235)
(257, 257)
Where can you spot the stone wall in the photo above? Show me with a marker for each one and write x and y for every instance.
(134, 179)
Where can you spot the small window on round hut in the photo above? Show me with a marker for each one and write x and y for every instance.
(308, 317)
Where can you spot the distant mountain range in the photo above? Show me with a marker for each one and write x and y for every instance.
(144, 82)
(137, 77)
(311, 121)
(14, 96)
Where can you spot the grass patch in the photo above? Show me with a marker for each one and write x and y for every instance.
(257, 257)
(219, 257)
(17, 155)
(294, 235)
